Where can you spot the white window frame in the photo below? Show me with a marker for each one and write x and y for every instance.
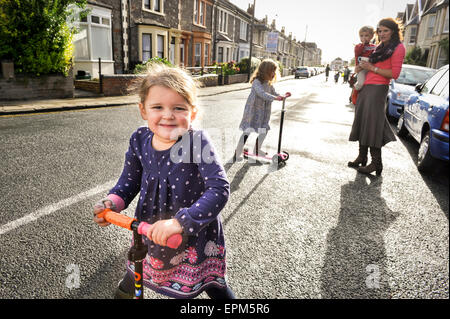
(154, 45)
(102, 14)
(223, 17)
(243, 30)
(430, 25)
(152, 7)
(413, 34)
(199, 17)
(445, 27)
(197, 54)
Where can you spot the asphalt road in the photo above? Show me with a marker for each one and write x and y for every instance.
(312, 229)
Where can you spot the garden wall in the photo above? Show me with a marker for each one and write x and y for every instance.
(22, 87)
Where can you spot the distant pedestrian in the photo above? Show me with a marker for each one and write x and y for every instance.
(327, 72)
(346, 74)
(370, 125)
(178, 194)
(258, 107)
(336, 76)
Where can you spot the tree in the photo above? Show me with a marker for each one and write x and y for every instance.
(416, 57)
(36, 36)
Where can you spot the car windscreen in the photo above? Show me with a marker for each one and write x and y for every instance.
(409, 76)
(302, 69)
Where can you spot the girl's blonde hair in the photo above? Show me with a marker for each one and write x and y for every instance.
(264, 72)
(170, 77)
(370, 30)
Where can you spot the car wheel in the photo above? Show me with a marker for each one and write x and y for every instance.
(424, 159)
(401, 129)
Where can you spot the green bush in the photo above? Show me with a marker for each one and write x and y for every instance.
(142, 67)
(416, 57)
(36, 36)
(243, 65)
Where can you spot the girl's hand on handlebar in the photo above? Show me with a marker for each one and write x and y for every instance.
(99, 207)
(279, 98)
(160, 231)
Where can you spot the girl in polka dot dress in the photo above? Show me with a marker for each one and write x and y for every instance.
(182, 188)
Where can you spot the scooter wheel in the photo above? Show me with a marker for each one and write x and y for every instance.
(276, 159)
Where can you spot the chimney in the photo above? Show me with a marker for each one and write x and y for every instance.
(250, 9)
(282, 30)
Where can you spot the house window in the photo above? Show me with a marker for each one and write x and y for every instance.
(199, 12)
(445, 30)
(155, 6)
(442, 58)
(206, 58)
(93, 40)
(243, 30)
(160, 44)
(223, 21)
(412, 35)
(195, 11)
(146, 46)
(431, 22)
(220, 54)
(198, 54)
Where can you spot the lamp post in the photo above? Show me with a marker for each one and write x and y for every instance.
(251, 43)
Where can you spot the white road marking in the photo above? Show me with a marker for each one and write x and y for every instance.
(54, 207)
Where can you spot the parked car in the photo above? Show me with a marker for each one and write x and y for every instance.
(425, 117)
(401, 88)
(303, 72)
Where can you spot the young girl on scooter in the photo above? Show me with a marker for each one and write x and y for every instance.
(258, 108)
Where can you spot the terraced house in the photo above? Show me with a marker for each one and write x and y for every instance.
(427, 27)
(188, 33)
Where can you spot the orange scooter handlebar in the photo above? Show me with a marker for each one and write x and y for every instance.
(130, 223)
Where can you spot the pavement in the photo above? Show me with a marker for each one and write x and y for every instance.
(46, 105)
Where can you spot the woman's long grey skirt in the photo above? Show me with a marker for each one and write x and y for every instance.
(370, 125)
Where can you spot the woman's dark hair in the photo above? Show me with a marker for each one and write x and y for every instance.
(395, 26)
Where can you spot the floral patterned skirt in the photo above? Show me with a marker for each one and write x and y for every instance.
(189, 277)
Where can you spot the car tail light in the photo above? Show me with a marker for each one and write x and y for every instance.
(444, 125)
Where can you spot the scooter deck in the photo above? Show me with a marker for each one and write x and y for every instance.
(263, 157)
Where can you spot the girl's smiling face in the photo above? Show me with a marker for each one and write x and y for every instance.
(168, 115)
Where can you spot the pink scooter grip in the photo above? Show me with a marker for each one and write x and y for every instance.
(173, 241)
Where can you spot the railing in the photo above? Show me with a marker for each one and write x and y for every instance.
(199, 70)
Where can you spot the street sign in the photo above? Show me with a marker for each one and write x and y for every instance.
(272, 42)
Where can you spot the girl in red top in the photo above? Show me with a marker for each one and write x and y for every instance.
(370, 126)
(363, 50)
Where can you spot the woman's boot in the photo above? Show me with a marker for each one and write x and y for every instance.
(362, 157)
(376, 165)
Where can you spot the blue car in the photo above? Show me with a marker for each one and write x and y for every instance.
(401, 88)
(426, 118)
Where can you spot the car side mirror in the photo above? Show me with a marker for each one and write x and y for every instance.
(418, 87)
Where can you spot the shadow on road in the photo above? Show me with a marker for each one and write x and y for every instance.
(355, 257)
(103, 283)
(437, 181)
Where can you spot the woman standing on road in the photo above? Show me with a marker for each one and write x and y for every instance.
(370, 125)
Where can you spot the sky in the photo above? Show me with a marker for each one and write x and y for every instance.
(332, 24)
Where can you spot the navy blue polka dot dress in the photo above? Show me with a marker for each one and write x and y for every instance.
(188, 183)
